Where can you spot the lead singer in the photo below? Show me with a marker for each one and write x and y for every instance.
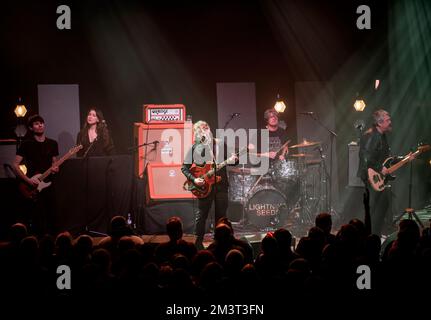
(206, 149)
(94, 136)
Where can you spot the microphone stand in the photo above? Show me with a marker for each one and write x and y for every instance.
(133, 150)
(229, 120)
(213, 156)
(332, 135)
(143, 145)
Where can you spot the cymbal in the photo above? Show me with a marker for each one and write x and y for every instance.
(301, 155)
(306, 144)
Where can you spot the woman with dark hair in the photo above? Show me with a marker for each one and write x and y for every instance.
(94, 136)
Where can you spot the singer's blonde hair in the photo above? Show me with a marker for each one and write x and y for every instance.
(197, 130)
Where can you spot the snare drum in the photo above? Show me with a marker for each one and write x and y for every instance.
(264, 206)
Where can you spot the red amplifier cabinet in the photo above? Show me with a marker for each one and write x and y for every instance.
(165, 182)
(164, 113)
(167, 143)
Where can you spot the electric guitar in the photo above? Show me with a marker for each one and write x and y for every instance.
(31, 192)
(206, 172)
(378, 180)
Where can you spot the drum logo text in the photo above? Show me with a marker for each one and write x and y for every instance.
(265, 209)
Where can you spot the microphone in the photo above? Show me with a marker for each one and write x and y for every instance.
(235, 114)
(359, 125)
(205, 139)
(308, 113)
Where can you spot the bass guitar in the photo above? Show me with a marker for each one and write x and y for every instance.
(31, 192)
(207, 173)
(378, 181)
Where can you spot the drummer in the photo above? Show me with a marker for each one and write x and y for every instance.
(277, 147)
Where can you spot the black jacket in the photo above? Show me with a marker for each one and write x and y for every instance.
(102, 146)
(205, 153)
(373, 151)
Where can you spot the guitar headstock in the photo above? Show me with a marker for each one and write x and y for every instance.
(75, 149)
(424, 148)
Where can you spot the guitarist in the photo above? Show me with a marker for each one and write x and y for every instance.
(38, 153)
(204, 150)
(373, 151)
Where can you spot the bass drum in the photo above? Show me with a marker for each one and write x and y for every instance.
(265, 207)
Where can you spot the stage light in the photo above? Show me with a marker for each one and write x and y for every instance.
(279, 106)
(376, 84)
(359, 104)
(20, 109)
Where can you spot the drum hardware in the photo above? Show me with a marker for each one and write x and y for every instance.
(332, 136)
(289, 195)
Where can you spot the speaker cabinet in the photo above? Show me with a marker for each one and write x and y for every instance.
(165, 143)
(354, 181)
(165, 182)
(7, 157)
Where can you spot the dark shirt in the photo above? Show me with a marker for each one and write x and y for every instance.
(276, 140)
(38, 155)
(101, 146)
(373, 151)
(205, 153)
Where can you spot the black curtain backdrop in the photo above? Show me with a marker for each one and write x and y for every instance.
(89, 192)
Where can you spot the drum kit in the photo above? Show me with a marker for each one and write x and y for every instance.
(289, 195)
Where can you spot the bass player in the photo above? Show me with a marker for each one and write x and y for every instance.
(38, 153)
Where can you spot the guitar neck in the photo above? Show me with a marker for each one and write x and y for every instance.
(55, 164)
(221, 165)
(398, 165)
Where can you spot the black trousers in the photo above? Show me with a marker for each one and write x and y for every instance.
(39, 214)
(220, 197)
(380, 203)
